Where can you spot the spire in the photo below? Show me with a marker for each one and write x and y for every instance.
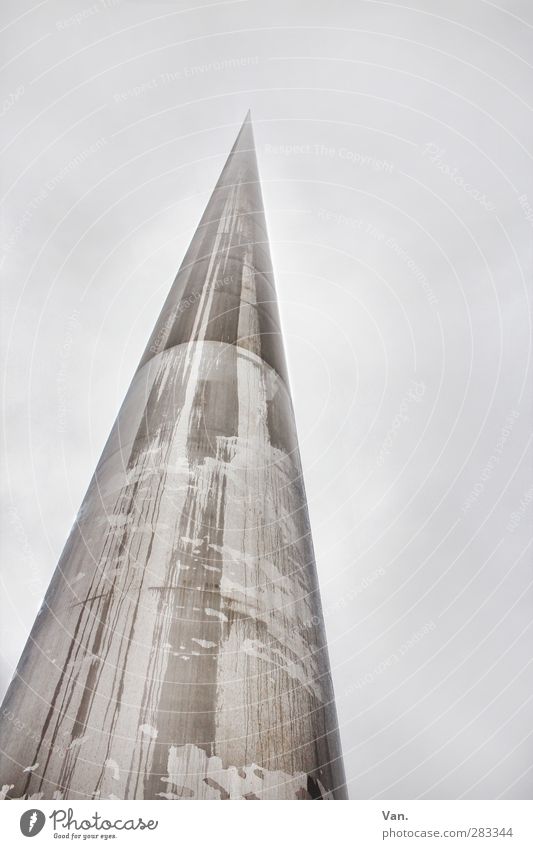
(180, 651)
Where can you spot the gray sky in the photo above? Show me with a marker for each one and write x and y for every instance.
(394, 144)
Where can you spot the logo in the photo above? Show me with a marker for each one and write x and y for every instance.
(32, 822)
(65, 819)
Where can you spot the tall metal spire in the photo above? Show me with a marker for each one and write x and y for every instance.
(180, 651)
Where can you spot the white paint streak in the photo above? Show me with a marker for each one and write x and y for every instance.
(78, 741)
(193, 774)
(217, 613)
(148, 731)
(194, 542)
(113, 766)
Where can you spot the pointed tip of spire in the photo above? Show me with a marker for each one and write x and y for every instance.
(245, 134)
(244, 144)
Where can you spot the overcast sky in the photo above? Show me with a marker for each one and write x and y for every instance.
(394, 145)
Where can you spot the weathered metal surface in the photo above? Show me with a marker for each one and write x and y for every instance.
(180, 650)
